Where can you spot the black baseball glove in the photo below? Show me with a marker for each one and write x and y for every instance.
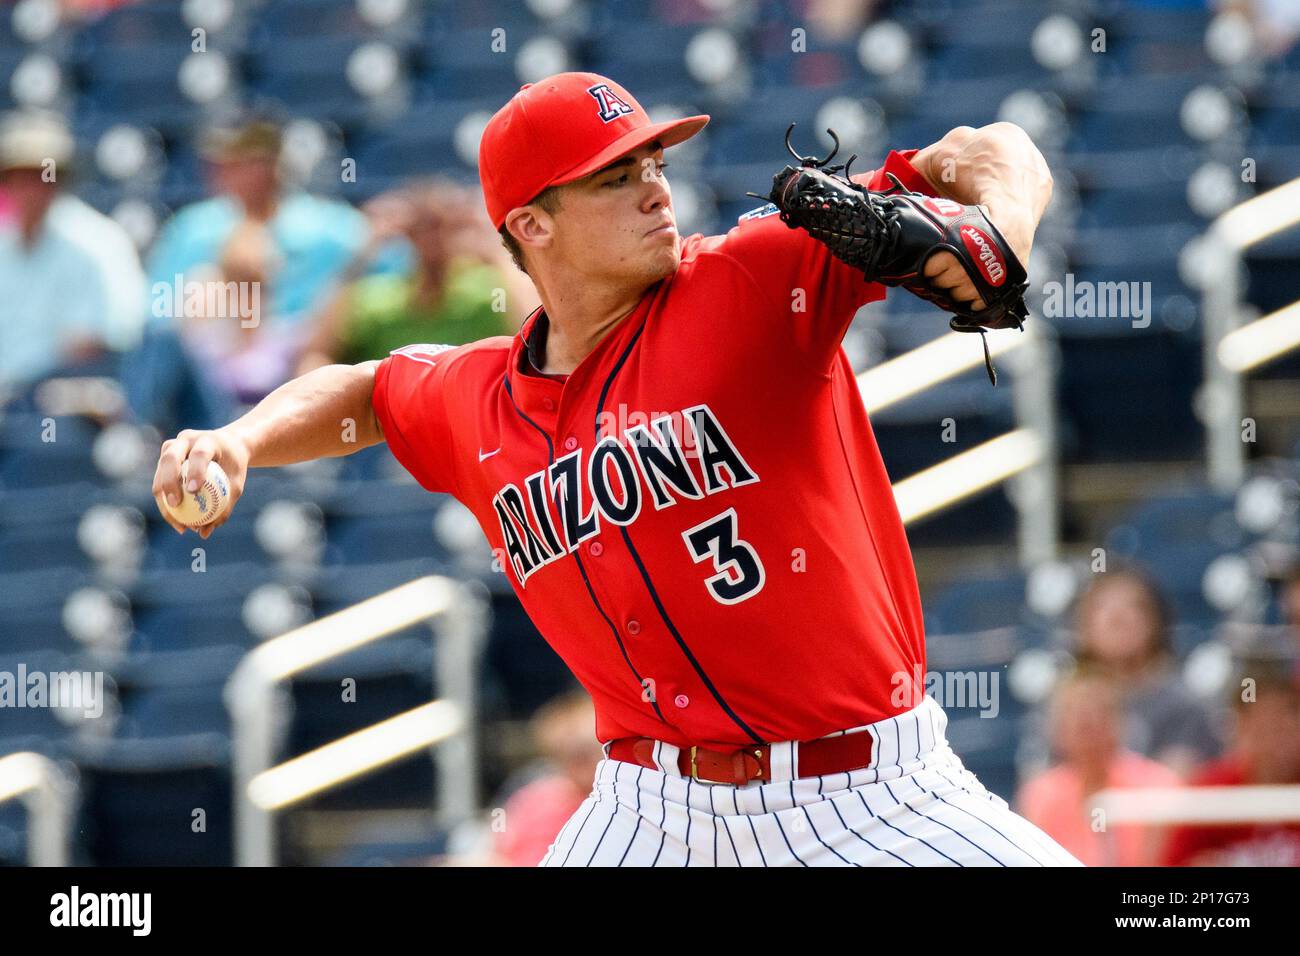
(890, 235)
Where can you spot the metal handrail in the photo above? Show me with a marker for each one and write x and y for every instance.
(1223, 399)
(1025, 456)
(258, 704)
(49, 796)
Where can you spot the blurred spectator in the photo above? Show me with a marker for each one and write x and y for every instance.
(565, 732)
(462, 288)
(90, 9)
(1085, 721)
(243, 353)
(313, 238)
(1265, 751)
(1122, 631)
(70, 278)
(1275, 23)
(1289, 599)
(305, 241)
(838, 20)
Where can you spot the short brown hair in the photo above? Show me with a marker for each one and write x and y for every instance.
(549, 201)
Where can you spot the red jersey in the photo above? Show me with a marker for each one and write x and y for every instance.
(697, 519)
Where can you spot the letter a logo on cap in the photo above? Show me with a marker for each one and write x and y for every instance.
(611, 104)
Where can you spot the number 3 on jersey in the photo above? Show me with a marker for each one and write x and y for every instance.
(740, 572)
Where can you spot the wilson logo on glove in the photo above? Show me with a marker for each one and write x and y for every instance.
(945, 208)
(986, 255)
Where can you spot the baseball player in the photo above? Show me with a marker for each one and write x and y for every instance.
(673, 463)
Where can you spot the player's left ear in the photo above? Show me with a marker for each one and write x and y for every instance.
(531, 227)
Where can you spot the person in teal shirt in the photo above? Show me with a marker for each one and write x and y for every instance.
(311, 240)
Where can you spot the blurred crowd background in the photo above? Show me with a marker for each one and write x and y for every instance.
(201, 200)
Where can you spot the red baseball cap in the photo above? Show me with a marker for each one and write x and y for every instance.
(560, 129)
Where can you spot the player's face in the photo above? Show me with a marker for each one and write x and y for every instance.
(619, 222)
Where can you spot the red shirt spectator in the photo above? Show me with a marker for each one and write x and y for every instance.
(1266, 752)
(1264, 844)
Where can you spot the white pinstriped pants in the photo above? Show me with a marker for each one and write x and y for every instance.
(915, 805)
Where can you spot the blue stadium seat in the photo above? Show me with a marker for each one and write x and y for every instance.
(371, 540)
(991, 22)
(139, 799)
(972, 62)
(148, 23)
(30, 728)
(911, 434)
(313, 55)
(13, 830)
(234, 542)
(173, 712)
(1141, 206)
(157, 62)
(39, 546)
(402, 153)
(53, 464)
(288, 19)
(389, 852)
(326, 95)
(1183, 517)
(321, 715)
(977, 604)
(521, 672)
(44, 589)
(941, 106)
(145, 670)
(185, 626)
(1176, 537)
(339, 585)
(1123, 128)
(1158, 20)
(494, 77)
(1278, 125)
(34, 628)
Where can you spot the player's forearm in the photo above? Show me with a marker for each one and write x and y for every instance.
(998, 166)
(323, 414)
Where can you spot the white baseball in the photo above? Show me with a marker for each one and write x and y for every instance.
(202, 507)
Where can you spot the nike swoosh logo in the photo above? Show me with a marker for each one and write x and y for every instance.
(484, 457)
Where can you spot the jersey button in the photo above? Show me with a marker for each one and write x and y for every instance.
(570, 443)
(549, 404)
(681, 700)
(634, 627)
(596, 549)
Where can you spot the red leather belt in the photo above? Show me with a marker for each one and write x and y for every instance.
(738, 766)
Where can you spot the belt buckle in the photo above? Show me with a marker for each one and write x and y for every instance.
(695, 771)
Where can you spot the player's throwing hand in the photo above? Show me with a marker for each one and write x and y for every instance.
(199, 447)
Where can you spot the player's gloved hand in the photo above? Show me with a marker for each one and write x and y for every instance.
(890, 235)
(200, 447)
